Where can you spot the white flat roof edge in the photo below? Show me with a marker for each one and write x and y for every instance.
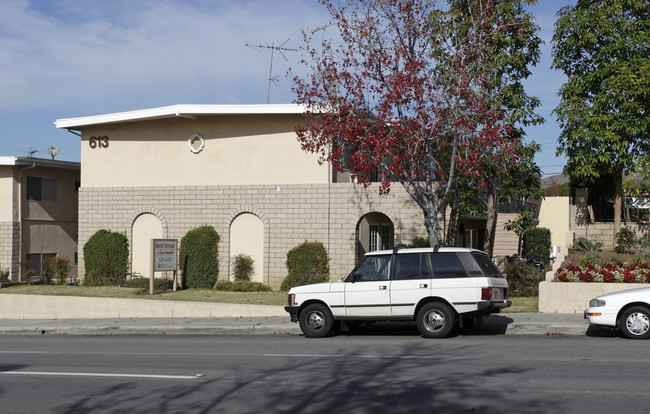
(43, 162)
(8, 160)
(180, 110)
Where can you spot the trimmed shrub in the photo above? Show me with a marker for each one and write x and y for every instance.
(523, 279)
(248, 286)
(225, 285)
(421, 242)
(537, 242)
(4, 276)
(143, 283)
(243, 267)
(625, 241)
(106, 256)
(46, 273)
(586, 245)
(241, 286)
(306, 263)
(199, 258)
(60, 267)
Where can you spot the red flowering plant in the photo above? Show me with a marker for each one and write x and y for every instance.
(607, 272)
(403, 92)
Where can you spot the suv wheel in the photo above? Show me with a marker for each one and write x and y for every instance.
(435, 320)
(316, 321)
(635, 323)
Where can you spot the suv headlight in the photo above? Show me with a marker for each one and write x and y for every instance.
(596, 303)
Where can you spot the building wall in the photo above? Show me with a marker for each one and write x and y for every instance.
(51, 226)
(506, 243)
(259, 149)
(291, 214)
(8, 223)
(554, 214)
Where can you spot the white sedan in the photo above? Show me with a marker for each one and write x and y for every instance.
(628, 310)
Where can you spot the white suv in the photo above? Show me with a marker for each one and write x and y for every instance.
(440, 288)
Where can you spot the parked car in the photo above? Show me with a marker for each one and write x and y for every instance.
(440, 288)
(628, 310)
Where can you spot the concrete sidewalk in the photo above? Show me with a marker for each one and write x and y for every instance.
(504, 324)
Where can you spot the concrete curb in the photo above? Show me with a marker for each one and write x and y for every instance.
(507, 324)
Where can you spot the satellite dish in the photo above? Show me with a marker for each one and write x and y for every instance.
(53, 150)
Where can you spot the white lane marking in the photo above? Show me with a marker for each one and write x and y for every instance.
(24, 352)
(93, 374)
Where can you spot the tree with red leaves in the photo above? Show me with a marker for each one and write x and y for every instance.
(400, 95)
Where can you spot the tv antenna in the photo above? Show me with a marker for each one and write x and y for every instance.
(280, 48)
(31, 152)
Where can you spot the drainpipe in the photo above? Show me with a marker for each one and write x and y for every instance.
(20, 216)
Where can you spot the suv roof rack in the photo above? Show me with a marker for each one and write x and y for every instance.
(399, 247)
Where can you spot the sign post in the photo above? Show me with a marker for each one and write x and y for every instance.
(164, 258)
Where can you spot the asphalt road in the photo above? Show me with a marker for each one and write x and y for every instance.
(369, 372)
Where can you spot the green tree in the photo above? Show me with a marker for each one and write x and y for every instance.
(509, 47)
(602, 46)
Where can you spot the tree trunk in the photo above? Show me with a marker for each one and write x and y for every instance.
(618, 204)
(452, 228)
(431, 224)
(490, 225)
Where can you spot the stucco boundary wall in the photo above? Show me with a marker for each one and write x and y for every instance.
(574, 297)
(73, 307)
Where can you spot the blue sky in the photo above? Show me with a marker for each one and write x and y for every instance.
(70, 58)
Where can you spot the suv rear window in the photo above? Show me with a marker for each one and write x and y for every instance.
(446, 265)
(411, 266)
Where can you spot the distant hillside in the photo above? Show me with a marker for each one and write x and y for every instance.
(554, 180)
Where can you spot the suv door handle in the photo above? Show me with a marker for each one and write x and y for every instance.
(382, 287)
(424, 285)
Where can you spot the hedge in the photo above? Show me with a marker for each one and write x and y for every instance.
(199, 258)
(106, 257)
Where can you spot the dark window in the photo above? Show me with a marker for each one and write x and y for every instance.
(42, 189)
(373, 268)
(39, 260)
(446, 265)
(411, 266)
(469, 263)
(489, 269)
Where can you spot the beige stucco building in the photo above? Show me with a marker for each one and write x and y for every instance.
(38, 213)
(158, 173)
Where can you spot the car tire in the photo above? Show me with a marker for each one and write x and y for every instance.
(635, 322)
(435, 320)
(316, 321)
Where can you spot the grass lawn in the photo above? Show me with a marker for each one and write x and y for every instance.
(192, 295)
(278, 298)
(520, 305)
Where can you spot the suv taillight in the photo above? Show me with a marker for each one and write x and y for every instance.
(486, 293)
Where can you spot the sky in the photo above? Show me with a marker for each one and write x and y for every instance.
(72, 58)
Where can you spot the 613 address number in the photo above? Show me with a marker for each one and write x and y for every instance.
(98, 142)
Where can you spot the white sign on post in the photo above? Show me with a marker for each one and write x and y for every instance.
(164, 254)
(164, 258)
